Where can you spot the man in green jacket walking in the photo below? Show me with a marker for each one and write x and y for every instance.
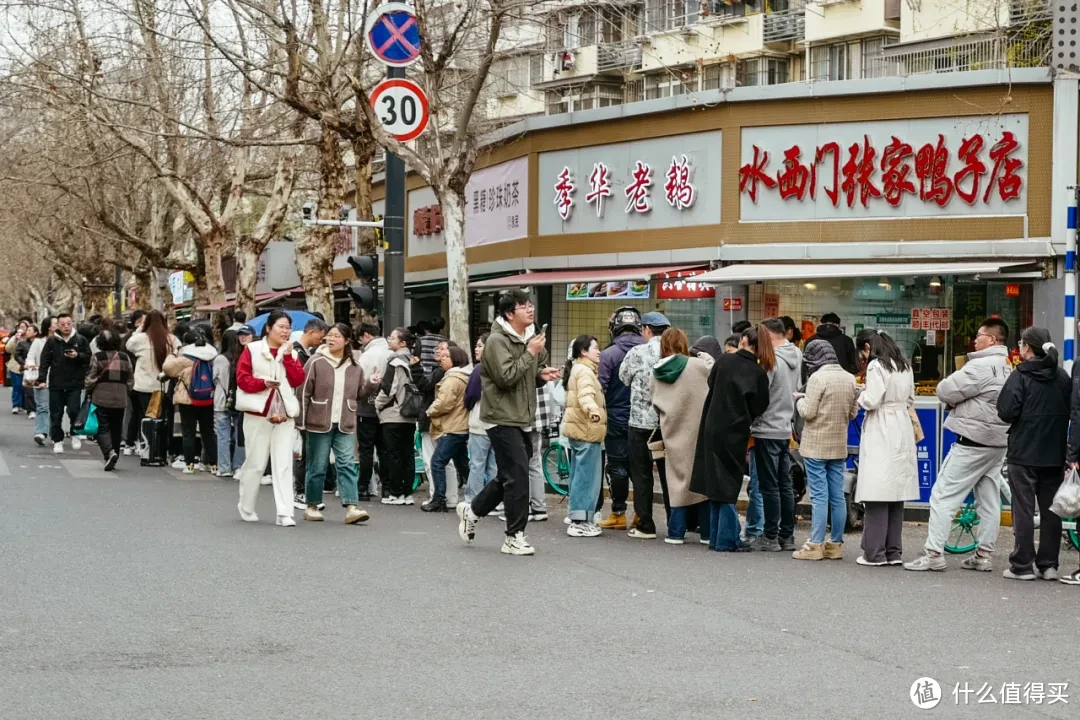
(513, 366)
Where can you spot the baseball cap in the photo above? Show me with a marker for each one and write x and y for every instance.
(655, 319)
(245, 330)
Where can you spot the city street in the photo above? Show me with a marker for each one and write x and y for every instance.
(141, 595)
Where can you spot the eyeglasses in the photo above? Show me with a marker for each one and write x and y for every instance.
(982, 334)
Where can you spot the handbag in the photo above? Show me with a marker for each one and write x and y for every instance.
(86, 421)
(30, 376)
(153, 408)
(657, 447)
(414, 399)
(916, 426)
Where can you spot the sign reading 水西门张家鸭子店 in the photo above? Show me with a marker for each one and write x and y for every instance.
(932, 167)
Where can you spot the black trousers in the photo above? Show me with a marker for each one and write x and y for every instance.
(510, 487)
(641, 474)
(110, 429)
(139, 402)
(1031, 487)
(883, 528)
(59, 401)
(196, 423)
(369, 441)
(400, 456)
(617, 465)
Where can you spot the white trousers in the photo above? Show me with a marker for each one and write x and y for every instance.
(265, 441)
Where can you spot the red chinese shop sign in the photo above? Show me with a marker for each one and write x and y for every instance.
(889, 169)
(682, 286)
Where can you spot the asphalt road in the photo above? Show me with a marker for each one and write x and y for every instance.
(141, 595)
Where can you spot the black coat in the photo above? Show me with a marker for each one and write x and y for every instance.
(60, 371)
(1035, 402)
(846, 355)
(738, 395)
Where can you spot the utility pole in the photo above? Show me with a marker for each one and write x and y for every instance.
(394, 234)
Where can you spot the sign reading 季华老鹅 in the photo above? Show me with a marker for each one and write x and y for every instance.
(655, 183)
(932, 167)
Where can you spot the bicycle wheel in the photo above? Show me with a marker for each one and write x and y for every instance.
(962, 535)
(557, 469)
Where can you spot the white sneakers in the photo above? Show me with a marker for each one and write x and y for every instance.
(517, 545)
(31, 415)
(179, 464)
(58, 448)
(397, 500)
(583, 529)
(246, 516)
(76, 442)
(286, 521)
(407, 500)
(14, 411)
(466, 522)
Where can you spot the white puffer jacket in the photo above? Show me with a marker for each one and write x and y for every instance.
(971, 393)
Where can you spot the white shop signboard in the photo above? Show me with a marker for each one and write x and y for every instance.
(641, 185)
(939, 167)
(496, 209)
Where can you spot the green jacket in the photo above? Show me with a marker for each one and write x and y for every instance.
(509, 376)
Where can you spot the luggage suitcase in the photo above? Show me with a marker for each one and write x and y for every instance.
(155, 444)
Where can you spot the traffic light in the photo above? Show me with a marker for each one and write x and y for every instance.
(366, 292)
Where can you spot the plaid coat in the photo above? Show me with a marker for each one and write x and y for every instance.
(831, 401)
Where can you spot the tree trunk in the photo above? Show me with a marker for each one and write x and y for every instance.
(315, 250)
(247, 276)
(144, 283)
(213, 247)
(457, 269)
(363, 151)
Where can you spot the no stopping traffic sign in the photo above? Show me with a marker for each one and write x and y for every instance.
(401, 107)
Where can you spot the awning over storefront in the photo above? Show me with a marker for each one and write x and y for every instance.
(581, 275)
(757, 272)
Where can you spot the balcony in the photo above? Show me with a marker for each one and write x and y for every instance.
(988, 53)
(785, 26)
(613, 57)
(1023, 12)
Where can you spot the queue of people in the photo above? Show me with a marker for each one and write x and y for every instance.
(360, 408)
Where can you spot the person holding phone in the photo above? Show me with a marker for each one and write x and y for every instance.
(65, 359)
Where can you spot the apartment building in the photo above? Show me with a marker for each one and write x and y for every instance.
(585, 55)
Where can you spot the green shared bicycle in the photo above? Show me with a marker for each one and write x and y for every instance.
(962, 538)
(557, 467)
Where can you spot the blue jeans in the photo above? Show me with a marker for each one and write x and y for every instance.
(318, 450)
(585, 478)
(447, 448)
(676, 526)
(825, 480)
(41, 420)
(773, 462)
(223, 428)
(482, 466)
(16, 391)
(724, 522)
(755, 514)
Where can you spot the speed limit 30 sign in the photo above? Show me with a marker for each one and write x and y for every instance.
(401, 107)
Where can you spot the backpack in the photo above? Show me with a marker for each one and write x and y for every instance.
(413, 405)
(201, 387)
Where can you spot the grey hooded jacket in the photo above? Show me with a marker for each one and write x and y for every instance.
(971, 394)
(775, 424)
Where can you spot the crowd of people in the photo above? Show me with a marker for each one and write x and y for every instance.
(327, 408)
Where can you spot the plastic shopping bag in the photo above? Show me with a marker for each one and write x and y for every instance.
(276, 414)
(1067, 499)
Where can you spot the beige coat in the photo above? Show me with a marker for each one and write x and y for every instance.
(448, 414)
(679, 406)
(831, 402)
(888, 469)
(180, 367)
(583, 398)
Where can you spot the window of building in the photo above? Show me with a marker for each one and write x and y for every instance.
(874, 63)
(670, 82)
(764, 71)
(735, 9)
(718, 76)
(611, 21)
(587, 28)
(831, 62)
(536, 68)
(663, 15)
(512, 75)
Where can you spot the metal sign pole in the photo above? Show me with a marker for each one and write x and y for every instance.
(394, 234)
(1070, 281)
